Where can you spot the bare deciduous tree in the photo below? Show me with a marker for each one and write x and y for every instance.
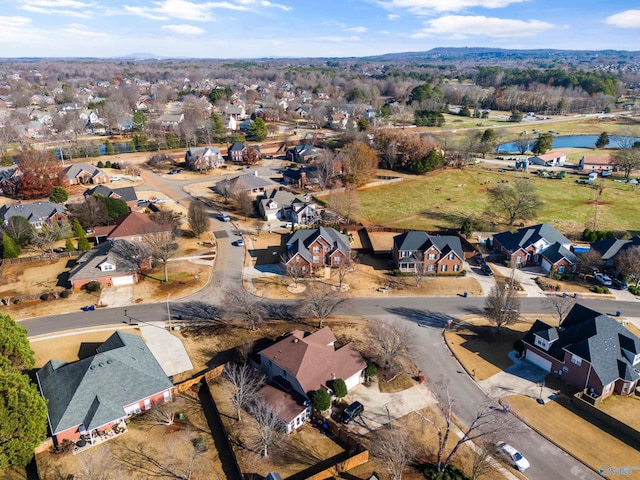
(90, 213)
(320, 301)
(348, 266)
(242, 304)
(628, 262)
(268, 428)
(293, 269)
(136, 252)
(486, 422)
(502, 306)
(391, 338)
(561, 305)
(162, 251)
(245, 203)
(198, 218)
(245, 382)
(591, 259)
(394, 449)
(481, 460)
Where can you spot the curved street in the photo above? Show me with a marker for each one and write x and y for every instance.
(428, 315)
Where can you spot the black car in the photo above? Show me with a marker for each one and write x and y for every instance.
(351, 412)
(619, 284)
(486, 269)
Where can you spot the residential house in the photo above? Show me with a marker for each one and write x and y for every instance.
(589, 351)
(37, 213)
(83, 173)
(250, 183)
(309, 249)
(417, 251)
(302, 153)
(127, 194)
(234, 152)
(283, 205)
(135, 227)
(204, 158)
(338, 121)
(304, 212)
(302, 111)
(559, 259)
(94, 396)
(301, 363)
(107, 265)
(611, 247)
(8, 180)
(525, 246)
(235, 111)
(550, 159)
(296, 176)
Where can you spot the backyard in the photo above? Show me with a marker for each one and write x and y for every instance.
(444, 198)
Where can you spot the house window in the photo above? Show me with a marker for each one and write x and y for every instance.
(167, 395)
(451, 256)
(565, 369)
(456, 268)
(576, 360)
(444, 268)
(147, 403)
(327, 249)
(133, 409)
(625, 387)
(304, 269)
(316, 249)
(431, 268)
(316, 259)
(561, 269)
(298, 259)
(108, 267)
(607, 388)
(337, 260)
(431, 256)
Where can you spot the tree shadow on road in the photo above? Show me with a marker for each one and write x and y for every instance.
(423, 318)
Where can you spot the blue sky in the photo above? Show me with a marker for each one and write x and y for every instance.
(313, 28)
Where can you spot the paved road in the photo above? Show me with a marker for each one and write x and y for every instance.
(426, 313)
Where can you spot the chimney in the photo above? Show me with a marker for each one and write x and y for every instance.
(333, 376)
(295, 340)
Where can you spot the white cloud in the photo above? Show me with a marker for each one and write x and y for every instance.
(393, 17)
(429, 6)
(464, 26)
(356, 29)
(197, 12)
(78, 29)
(338, 39)
(184, 29)
(626, 19)
(62, 7)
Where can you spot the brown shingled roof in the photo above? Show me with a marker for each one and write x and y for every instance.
(132, 223)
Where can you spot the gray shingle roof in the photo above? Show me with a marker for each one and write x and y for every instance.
(594, 337)
(610, 247)
(88, 264)
(93, 391)
(75, 169)
(246, 182)
(301, 239)
(557, 252)
(421, 241)
(128, 194)
(524, 237)
(33, 212)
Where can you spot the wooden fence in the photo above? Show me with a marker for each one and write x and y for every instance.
(202, 377)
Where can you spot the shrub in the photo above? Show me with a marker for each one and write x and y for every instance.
(68, 246)
(66, 293)
(320, 400)
(107, 164)
(339, 388)
(451, 473)
(93, 286)
(400, 273)
(371, 370)
(46, 296)
(83, 244)
(100, 164)
(601, 290)
(59, 195)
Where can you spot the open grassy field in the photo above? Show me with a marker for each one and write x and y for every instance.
(442, 199)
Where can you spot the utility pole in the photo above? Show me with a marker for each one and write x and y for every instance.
(169, 311)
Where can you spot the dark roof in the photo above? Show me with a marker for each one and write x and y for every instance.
(421, 241)
(301, 239)
(33, 212)
(294, 173)
(524, 237)
(610, 247)
(557, 252)
(237, 147)
(94, 391)
(594, 337)
(128, 194)
(132, 223)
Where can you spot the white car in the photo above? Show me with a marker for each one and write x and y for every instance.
(513, 456)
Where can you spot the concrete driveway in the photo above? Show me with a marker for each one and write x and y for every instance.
(522, 378)
(526, 277)
(168, 350)
(117, 296)
(380, 407)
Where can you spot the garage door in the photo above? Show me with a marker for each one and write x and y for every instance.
(352, 381)
(118, 281)
(537, 360)
(546, 265)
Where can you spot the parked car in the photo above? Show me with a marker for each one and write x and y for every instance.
(508, 308)
(486, 269)
(603, 279)
(240, 242)
(351, 412)
(142, 201)
(115, 179)
(513, 456)
(174, 171)
(224, 216)
(619, 284)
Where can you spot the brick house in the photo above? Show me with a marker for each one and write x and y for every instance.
(301, 363)
(94, 396)
(589, 351)
(37, 213)
(106, 265)
(611, 247)
(83, 173)
(133, 226)
(127, 194)
(204, 158)
(308, 249)
(430, 254)
(234, 152)
(526, 247)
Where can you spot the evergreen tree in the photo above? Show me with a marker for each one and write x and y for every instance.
(23, 419)
(543, 144)
(59, 195)
(78, 231)
(83, 244)
(339, 388)
(14, 345)
(603, 140)
(9, 247)
(69, 246)
(320, 400)
(108, 148)
(258, 130)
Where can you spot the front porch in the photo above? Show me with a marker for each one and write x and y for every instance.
(96, 437)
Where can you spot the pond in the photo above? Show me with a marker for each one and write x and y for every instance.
(568, 141)
(92, 150)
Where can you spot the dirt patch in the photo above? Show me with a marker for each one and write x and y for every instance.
(569, 430)
(480, 350)
(133, 452)
(398, 384)
(182, 282)
(35, 277)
